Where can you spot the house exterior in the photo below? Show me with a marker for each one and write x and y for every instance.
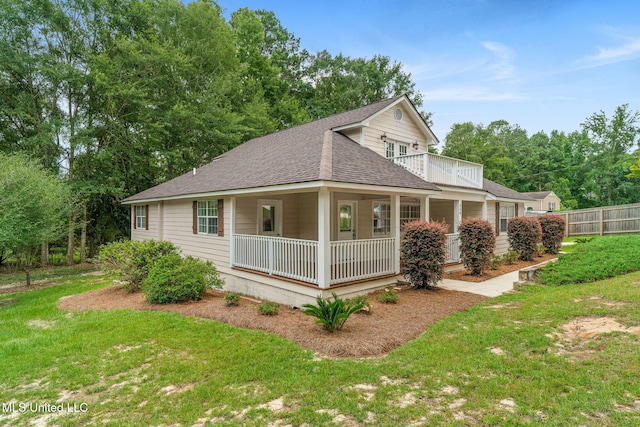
(542, 201)
(318, 208)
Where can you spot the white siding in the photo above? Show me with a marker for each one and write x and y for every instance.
(471, 210)
(442, 210)
(406, 131)
(142, 233)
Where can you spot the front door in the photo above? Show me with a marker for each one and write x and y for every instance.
(270, 217)
(347, 219)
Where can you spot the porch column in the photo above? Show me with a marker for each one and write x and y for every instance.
(424, 208)
(324, 238)
(457, 214)
(232, 239)
(484, 210)
(395, 226)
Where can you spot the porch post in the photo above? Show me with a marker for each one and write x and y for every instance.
(395, 226)
(457, 214)
(484, 210)
(232, 239)
(324, 238)
(424, 208)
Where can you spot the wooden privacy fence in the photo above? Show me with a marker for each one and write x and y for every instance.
(606, 220)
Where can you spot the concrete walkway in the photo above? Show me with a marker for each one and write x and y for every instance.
(490, 288)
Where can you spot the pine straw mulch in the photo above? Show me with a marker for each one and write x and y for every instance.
(504, 269)
(364, 335)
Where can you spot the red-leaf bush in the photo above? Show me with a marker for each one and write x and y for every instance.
(552, 232)
(477, 243)
(423, 252)
(524, 234)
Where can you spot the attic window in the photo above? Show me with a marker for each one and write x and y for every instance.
(398, 114)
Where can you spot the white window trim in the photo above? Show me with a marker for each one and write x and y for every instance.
(382, 218)
(507, 217)
(141, 217)
(405, 219)
(207, 216)
(277, 231)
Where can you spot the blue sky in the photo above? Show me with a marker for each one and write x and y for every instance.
(542, 64)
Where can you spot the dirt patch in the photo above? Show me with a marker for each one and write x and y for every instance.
(504, 269)
(585, 328)
(364, 335)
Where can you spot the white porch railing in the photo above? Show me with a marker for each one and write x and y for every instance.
(298, 259)
(361, 259)
(292, 258)
(442, 170)
(452, 248)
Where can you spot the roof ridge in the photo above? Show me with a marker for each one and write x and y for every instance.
(326, 158)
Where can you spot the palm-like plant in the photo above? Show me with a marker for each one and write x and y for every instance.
(331, 314)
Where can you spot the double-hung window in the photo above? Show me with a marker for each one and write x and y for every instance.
(507, 211)
(381, 219)
(208, 217)
(409, 213)
(141, 217)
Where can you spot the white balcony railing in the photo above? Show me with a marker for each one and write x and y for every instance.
(442, 170)
(298, 259)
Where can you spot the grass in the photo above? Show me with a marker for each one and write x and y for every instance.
(598, 259)
(498, 363)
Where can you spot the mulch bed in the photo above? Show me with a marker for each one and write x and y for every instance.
(504, 269)
(363, 335)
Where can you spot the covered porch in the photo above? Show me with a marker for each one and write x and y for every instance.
(327, 237)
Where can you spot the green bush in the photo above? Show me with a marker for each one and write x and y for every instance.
(269, 308)
(361, 299)
(596, 260)
(423, 252)
(175, 279)
(131, 260)
(232, 298)
(477, 243)
(388, 296)
(495, 262)
(331, 314)
(524, 235)
(511, 256)
(552, 227)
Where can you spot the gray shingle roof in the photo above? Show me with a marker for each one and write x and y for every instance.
(502, 191)
(537, 195)
(303, 153)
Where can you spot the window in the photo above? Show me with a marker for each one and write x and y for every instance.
(345, 217)
(390, 149)
(507, 211)
(402, 149)
(269, 217)
(381, 219)
(208, 217)
(398, 114)
(409, 213)
(552, 206)
(141, 217)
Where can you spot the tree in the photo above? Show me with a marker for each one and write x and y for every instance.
(34, 206)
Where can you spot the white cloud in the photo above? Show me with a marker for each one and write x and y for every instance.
(503, 65)
(471, 94)
(616, 54)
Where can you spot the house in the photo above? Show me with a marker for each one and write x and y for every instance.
(318, 208)
(542, 201)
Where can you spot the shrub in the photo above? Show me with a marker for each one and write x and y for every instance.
(388, 296)
(175, 279)
(132, 260)
(552, 227)
(477, 243)
(269, 308)
(511, 256)
(495, 262)
(423, 252)
(331, 314)
(232, 298)
(361, 299)
(524, 235)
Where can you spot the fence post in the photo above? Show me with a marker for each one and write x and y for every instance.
(601, 221)
(566, 224)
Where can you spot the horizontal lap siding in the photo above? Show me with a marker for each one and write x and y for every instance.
(442, 210)
(300, 220)
(406, 131)
(178, 228)
(140, 234)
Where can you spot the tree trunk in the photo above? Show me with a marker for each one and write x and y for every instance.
(44, 254)
(71, 241)
(83, 235)
(28, 273)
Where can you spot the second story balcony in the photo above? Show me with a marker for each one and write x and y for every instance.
(442, 170)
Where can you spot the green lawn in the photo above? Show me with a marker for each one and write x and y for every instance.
(504, 362)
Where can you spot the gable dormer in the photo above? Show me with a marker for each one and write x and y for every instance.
(396, 130)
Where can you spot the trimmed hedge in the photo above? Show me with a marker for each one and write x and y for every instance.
(176, 279)
(423, 252)
(552, 227)
(477, 243)
(524, 234)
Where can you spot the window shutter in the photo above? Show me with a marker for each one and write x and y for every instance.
(146, 217)
(497, 218)
(516, 210)
(133, 216)
(221, 217)
(195, 217)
